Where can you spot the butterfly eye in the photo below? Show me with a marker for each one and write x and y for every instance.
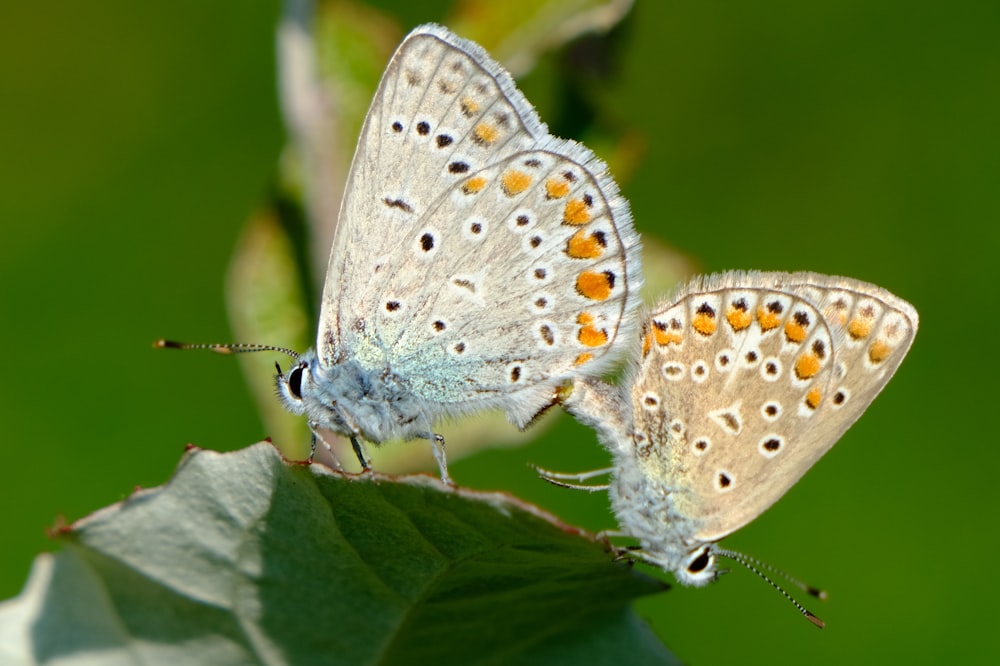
(295, 381)
(699, 563)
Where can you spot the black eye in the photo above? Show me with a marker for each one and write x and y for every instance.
(295, 381)
(699, 562)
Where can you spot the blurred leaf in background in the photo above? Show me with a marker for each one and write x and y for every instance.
(847, 138)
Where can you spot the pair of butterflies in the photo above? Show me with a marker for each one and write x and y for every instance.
(481, 263)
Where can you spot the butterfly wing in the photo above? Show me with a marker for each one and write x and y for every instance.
(477, 257)
(747, 379)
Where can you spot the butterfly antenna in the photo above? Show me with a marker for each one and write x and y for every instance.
(238, 348)
(759, 567)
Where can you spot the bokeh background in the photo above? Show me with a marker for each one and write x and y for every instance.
(844, 137)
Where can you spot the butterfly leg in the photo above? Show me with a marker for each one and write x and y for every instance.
(437, 442)
(632, 552)
(612, 534)
(629, 553)
(360, 453)
(562, 479)
(327, 455)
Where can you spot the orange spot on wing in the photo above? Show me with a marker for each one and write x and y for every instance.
(469, 106)
(703, 323)
(768, 319)
(738, 319)
(486, 133)
(879, 351)
(647, 342)
(813, 398)
(794, 332)
(584, 246)
(859, 328)
(583, 358)
(592, 337)
(474, 185)
(556, 188)
(576, 212)
(666, 336)
(515, 182)
(807, 366)
(594, 285)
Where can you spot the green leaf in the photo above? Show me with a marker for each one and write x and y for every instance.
(246, 558)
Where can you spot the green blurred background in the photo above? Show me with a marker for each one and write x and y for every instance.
(844, 137)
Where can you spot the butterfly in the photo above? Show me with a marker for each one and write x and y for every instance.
(478, 261)
(741, 381)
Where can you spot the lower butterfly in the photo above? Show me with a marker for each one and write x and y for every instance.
(741, 382)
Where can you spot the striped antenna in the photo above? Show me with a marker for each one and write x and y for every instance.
(757, 566)
(238, 348)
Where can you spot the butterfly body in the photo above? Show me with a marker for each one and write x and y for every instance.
(353, 401)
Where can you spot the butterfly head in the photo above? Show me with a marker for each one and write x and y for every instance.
(302, 391)
(699, 567)
(695, 567)
(289, 386)
(299, 392)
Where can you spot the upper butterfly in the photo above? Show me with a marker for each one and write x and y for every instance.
(742, 382)
(478, 261)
